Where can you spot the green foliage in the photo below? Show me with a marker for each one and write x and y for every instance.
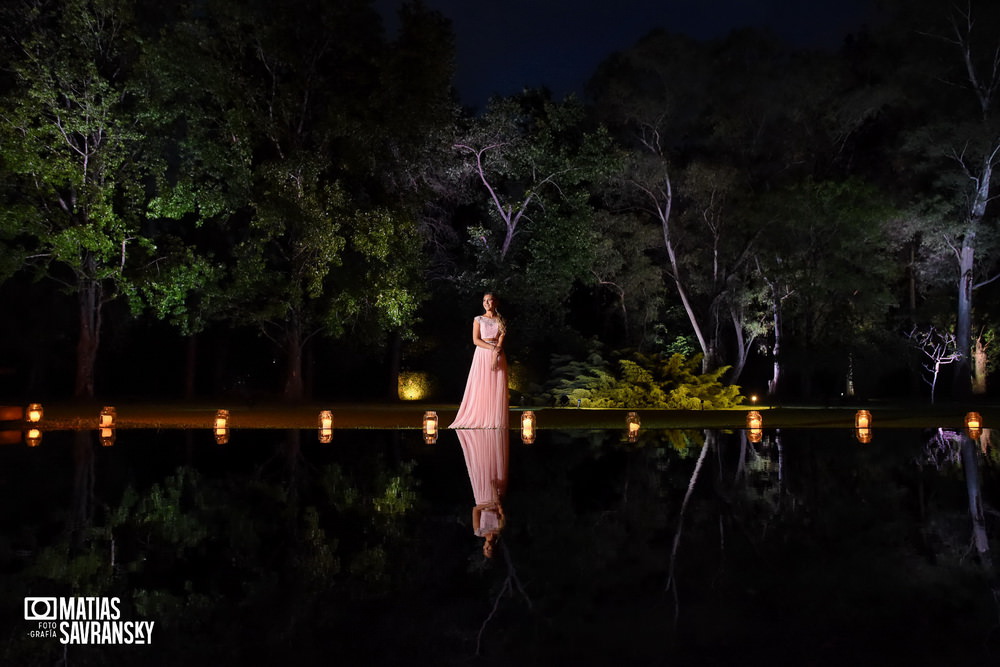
(645, 381)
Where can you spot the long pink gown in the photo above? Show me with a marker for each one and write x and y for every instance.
(486, 457)
(484, 404)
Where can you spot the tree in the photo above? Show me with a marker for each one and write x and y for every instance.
(282, 156)
(939, 347)
(531, 165)
(954, 142)
(72, 148)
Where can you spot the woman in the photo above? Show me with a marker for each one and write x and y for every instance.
(484, 404)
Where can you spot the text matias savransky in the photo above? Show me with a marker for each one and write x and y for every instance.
(85, 620)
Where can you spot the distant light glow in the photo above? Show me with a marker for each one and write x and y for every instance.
(414, 386)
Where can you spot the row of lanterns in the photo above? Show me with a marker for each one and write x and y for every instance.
(755, 425)
(529, 425)
(862, 426)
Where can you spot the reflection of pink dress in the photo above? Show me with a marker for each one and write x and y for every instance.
(484, 404)
(486, 455)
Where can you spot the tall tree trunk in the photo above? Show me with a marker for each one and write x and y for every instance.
(89, 303)
(979, 369)
(775, 381)
(963, 320)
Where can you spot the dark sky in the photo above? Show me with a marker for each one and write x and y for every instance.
(505, 45)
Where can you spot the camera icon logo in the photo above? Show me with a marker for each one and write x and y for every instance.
(40, 609)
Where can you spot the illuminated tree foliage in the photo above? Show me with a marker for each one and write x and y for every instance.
(71, 146)
(653, 381)
(279, 149)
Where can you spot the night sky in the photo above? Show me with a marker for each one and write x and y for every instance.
(506, 45)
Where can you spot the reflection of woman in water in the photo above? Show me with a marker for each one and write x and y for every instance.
(486, 452)
(484, 404)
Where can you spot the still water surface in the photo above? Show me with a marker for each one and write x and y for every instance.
(685, 547)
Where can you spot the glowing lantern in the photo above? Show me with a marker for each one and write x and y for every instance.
(34, 413)
(755, 426)
(107, 417)
(106, 425)
(632, 423)
(528, 426)
(222, 427)
(430, 427)
(325, 432)
(33, 437)
(974, 425)
(863, 426)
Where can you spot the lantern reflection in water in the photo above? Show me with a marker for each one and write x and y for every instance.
(222, 427)
(528, 426)
(430, 427)
(325, 426)
(33, 437)
(632, 423)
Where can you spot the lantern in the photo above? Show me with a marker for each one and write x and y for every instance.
(430, 427)
(632, 423)
(528, 426)
(34, 413)
(107, 417)
(863, 419)
(755, 426)
(325, 425)
(222, 427)
(974, 425)
(33, 437)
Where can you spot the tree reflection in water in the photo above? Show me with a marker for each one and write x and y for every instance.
(276, 548)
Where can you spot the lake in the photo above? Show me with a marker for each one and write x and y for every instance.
(684, 547)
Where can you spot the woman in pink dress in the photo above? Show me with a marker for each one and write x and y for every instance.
(484, 404)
